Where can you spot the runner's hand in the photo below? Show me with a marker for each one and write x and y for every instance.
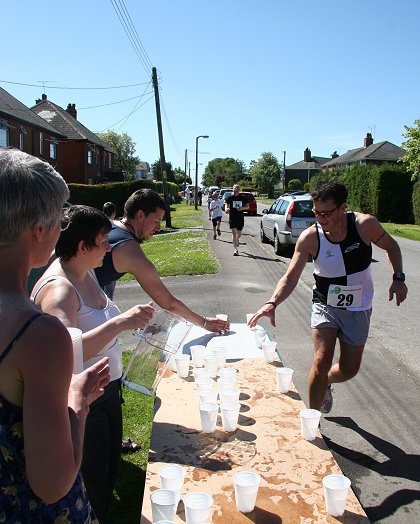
(399, 289)
(268, 310)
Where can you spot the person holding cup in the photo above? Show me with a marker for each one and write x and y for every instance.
(70, 291)
(43, 407)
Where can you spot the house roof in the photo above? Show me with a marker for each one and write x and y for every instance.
(384, 151)
(11, 107)
(317, 162)
(69, 126)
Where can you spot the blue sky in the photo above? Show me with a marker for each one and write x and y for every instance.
(272, 75)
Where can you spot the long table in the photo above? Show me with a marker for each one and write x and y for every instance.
(267, 441)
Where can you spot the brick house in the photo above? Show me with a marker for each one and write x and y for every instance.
(86, 159)
(23, 129)
(305, 169)
(370, 153)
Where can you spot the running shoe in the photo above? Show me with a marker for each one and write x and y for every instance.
(214, 236)
(327, 403)
(236, 253)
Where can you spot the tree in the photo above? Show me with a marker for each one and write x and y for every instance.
(179, 176)
(157, 171)
(266, 172)
(125, 159)
(412, 157)
(225, 171)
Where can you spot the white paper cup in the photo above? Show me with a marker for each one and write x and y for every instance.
(220, 354)
(284, 379)
(309, 420)
(222, 316)
(336, 489)
(197, 355)
(203, 383)
(230, 415)
(76, 338)
(172, 477)
(259, 334)
(164, 502)
(225, 383)
(230, 395)
(210, 361)
(182, 362)
(208, 416)
(201, 373)
(227, 372)
(246, 485)
(208, 396)
(269, 350)
(198, 507)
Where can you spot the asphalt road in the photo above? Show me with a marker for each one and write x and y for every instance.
(373, 428)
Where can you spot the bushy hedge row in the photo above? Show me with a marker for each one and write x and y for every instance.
(385, 191)
(416, 202)
(118, 192)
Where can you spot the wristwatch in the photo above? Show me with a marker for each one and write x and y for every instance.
(399, 275)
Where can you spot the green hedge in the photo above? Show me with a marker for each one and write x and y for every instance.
(416, 202)
(118, 192)
(385, 191)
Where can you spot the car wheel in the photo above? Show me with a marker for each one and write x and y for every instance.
(278, 249)
(263, 238)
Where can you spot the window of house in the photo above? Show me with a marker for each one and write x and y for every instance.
(41, 143)
(4, 136)
(90, 156)
(53, 148)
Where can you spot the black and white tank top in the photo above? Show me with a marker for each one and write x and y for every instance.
(342, 270)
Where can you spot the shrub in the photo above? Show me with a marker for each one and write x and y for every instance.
(416, 202)
(294, 184)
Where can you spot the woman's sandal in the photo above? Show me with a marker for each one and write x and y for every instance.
(128, 446)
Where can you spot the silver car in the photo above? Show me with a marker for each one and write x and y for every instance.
(285, 220)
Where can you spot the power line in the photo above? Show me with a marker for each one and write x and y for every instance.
(131, 35)
(78, 88)
(113, 103)
(144, 52)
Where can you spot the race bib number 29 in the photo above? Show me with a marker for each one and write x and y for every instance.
(344, 296)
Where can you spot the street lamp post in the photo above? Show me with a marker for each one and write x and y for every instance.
(196, 169)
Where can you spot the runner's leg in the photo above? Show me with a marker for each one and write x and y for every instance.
(348, 365)
(324, 345)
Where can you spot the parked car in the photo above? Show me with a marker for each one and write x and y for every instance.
(285, 220)
(223, 191)
(250, 198)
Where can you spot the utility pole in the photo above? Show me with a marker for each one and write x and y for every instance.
(185, 173)
(161, 150)
(284, 170)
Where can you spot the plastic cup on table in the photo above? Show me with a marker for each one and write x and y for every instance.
(225, 383)
(309, 421)
(220, 354)
(259, 334)
(172, 477)
(208, 417)
(164, 503)
(284, 379)
(207, 396)
(203, 383)
(230, 395)
(201, 373)
(230, 415)
(222, 316)
(336, 488)
(210, 361)
(182, 362)
(227, 372)
(246, 485)
(269, 350)
(198, 507)
(197, 355)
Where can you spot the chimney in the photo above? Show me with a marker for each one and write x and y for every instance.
(334, 155)
(368, 140)
(71, 108)
(307, 155)
(44, 97)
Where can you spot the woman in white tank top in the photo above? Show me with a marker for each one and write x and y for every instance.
(70, 291)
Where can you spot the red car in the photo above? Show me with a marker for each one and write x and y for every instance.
(251, 202)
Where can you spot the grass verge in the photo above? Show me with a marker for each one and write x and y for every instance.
(410, 231)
